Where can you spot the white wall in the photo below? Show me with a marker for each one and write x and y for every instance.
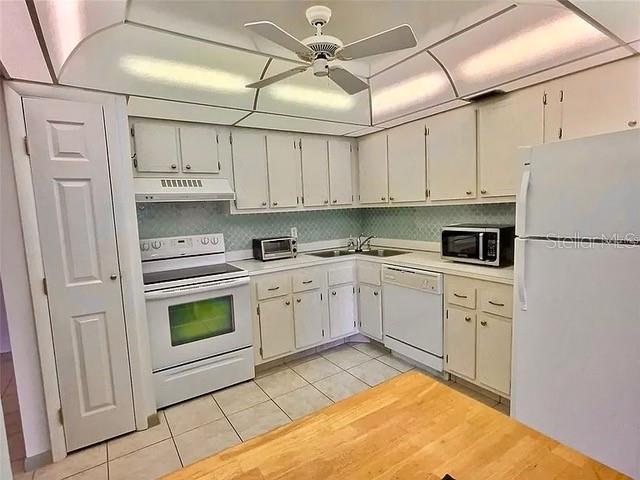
(20, 318)
(5, 344)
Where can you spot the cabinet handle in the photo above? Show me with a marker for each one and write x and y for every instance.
(469, 192)
(273, 289)
(467, 319)
(287, 303)
(298, 300)
(307, 282)
(483, 323)
(275, 204)
(483, 191)
(335, 201)
(264, 204)
(188, 167)
(174, 166)
(333, 293)
(375, 294)
(496, 304)
(459, 296)
(632, 123)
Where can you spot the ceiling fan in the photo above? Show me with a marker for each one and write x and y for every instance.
(320, 49)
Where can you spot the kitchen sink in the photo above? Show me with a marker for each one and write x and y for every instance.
(332, 253)
(382, 252)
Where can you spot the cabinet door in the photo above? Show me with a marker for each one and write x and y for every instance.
(461, 342)
(156, 147)
(199, 149)
(512, 121)
(451, 154)
(370, 300)
(250, 169)
(407, 163)
(315, 172)
(308, 309)
(372, 166)
(276, 327)
(494, 352)
(341, 310)
(601, 100)
(340, 181)
(283, 161)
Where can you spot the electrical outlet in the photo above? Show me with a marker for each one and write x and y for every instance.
(294, 232)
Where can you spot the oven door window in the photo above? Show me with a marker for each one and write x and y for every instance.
(462, 245)
(193, 321)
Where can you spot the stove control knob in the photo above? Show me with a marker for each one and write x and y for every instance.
(204, 240)
(144, 246)
(215, 240)
(156, 244)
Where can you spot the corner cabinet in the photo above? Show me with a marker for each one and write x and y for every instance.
(372, 168)
(478, 332)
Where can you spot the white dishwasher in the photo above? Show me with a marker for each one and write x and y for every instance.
(412, 312)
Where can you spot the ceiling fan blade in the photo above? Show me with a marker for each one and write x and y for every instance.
(273, 32)
(390, 40)
(276, 78)
(347, 80)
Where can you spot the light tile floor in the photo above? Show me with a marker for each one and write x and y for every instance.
(197, 428)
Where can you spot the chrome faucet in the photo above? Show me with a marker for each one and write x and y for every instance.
(360, 243)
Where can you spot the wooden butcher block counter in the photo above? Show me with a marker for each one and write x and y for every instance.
(410, 427)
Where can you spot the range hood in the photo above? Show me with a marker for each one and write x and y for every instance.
(182, 189)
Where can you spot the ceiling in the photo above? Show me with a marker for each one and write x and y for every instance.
(191, 59)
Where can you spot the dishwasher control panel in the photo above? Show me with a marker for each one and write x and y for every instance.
(412, 278)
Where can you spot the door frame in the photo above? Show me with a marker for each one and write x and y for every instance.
(126, 226)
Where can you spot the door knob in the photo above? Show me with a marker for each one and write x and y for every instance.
(333, 293)
(632, 123)
(326, 201)
(383, 198)
(275, 204)
(392, 198)
(264, 204)
(113, 276)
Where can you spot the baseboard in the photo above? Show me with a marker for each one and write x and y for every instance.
(36, 461)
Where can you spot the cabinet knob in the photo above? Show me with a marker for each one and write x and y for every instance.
(326, 201)
(333, 293)
(335, 201)
(469, 192)
(392, 198)
(375, 294)
(383, 198)
(632, 123)
(188, 167)
(113, 276)
(287, 303)
(264, 204)
(483, 191)
(298, 300)
(174, 166)
(467, 319)
(275, 204)
(483, 323)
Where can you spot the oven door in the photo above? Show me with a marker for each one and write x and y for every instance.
(462, 245)
(195, 322)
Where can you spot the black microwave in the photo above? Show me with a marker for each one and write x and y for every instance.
(480, 244)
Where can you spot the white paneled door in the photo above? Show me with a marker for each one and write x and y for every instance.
(70, 172)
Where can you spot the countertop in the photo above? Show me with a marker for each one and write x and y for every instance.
(421, 260)
(410, 427)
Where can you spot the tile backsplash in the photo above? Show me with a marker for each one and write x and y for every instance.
(408, 223)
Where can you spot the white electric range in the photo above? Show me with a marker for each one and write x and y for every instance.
(199, 316)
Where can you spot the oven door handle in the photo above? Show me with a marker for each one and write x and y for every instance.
(189, 290)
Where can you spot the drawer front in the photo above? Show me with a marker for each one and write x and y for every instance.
(369, 273)
(338, 276)
(304, 280)
(461, 291)
(496, 299)
(273, 286)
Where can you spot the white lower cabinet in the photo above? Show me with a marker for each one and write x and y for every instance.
(370, 300)
(276, 327)
(342, 310)
(478, 335)
(494, 352)
(309, 318)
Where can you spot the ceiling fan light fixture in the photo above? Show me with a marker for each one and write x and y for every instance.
(183, 74)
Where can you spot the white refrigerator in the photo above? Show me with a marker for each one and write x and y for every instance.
(576, 330)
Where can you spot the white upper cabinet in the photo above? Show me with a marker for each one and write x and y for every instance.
(504, 124)
(199, 149)
(600, 100)
(250, 169)
(407, 163)
(156, 147)
(340, 168)
(372, 155)
(451, 154)
(315, 172)
(284, 170)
